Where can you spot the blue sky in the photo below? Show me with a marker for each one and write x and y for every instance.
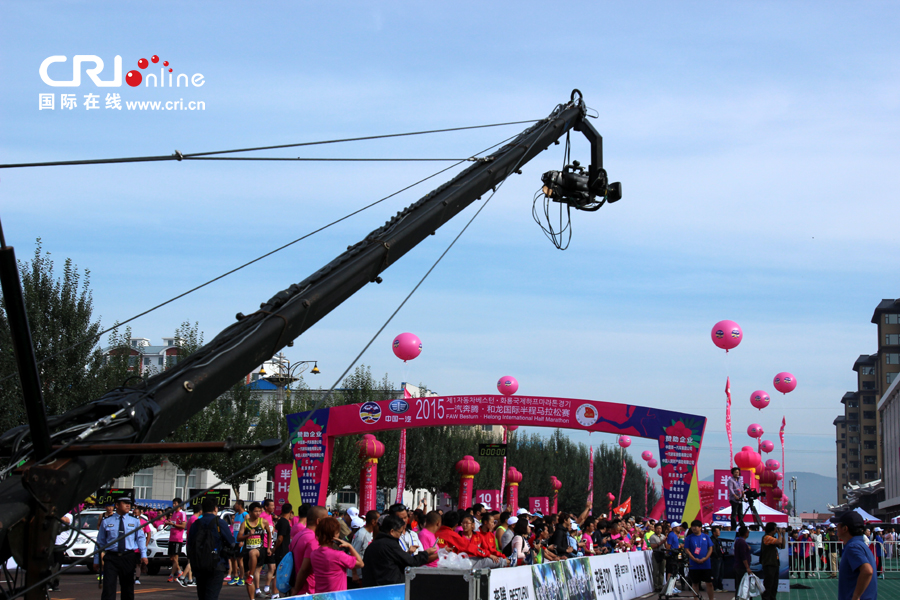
(756, 142)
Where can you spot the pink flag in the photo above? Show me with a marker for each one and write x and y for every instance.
(646, 483)
(728, 422)
(401, 460)
(781, 435)
(503, 474)
(590, 497)
(622, 485)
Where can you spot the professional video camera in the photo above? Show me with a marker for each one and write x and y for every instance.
(752, 495)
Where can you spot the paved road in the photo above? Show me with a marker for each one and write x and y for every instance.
(78, 584)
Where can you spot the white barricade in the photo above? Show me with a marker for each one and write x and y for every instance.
(821, 560)
(619, 576)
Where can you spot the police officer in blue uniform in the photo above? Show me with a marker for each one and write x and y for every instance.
(120, 558)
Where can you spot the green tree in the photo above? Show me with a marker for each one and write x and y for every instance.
(239, 410)
(60, 316)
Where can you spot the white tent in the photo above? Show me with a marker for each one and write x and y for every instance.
(766, 514)
(866, 516)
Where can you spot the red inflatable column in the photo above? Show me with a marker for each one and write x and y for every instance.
(467, 468)
(514, 478)
(371, 450)
(557, 485)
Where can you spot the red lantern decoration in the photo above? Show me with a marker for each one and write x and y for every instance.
(556, 484)
(514, 478)
(467, 469)
(371, 450)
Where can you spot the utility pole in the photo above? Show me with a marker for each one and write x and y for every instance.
(794, 490)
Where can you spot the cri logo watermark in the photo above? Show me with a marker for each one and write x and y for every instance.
(134, 78)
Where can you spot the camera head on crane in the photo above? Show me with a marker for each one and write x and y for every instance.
(574, 186)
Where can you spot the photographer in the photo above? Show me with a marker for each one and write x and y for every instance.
(699, 549)
(735, 497)
(768, 558)
(658, 545)
(674, 555)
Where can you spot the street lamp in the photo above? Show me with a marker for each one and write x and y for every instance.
(794, 490)
(286, 372)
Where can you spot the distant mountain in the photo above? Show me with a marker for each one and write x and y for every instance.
(814, 491)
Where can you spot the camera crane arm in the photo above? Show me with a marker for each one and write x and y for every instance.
(169, 399)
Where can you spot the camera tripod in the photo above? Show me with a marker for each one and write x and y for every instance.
(751, 507)
(669, 591)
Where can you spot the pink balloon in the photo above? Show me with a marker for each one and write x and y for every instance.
(767, 446)
(646, 455)
(659, 472)
(511, 428)
(624, 441)
(407, 346)
(779, 476)
(759, 399)
(726, 335)
(755, 430)
(773, 465)
(785, 382)
(652, 463)
(507, 385)
(748, 449)
(611, 496)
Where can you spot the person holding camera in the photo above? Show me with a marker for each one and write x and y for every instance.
(699, 549)
(209, 581)
(657, 544)
(333, 557)
(768, 558)
(673, 551)
(736, 497)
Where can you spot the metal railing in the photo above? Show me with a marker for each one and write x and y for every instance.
(820, 560)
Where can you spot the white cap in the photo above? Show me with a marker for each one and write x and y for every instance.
(676, 524)
(523, 511)
(879, 529)
(356, 522)
(512, 520)
(353, 512)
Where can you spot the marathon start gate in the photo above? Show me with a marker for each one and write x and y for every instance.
(679, 435)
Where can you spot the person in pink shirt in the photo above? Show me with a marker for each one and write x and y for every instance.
(427, 536)
(330, 560)
(302, 547)
(176, 525)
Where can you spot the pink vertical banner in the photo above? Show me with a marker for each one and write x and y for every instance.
(622, 484)
(646, 483)
(728, 422)
(282, 483)
(781, 435)
(503, 471)
(590, 498)
(401, 460)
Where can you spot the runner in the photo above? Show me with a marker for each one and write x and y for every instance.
(253, 534)
(176, 525)
(271, 565)
(237, 565)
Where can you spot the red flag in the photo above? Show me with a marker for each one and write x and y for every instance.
(781, 435)
(622, 485)
(624, 508)
(590, 498)
(728, 422)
